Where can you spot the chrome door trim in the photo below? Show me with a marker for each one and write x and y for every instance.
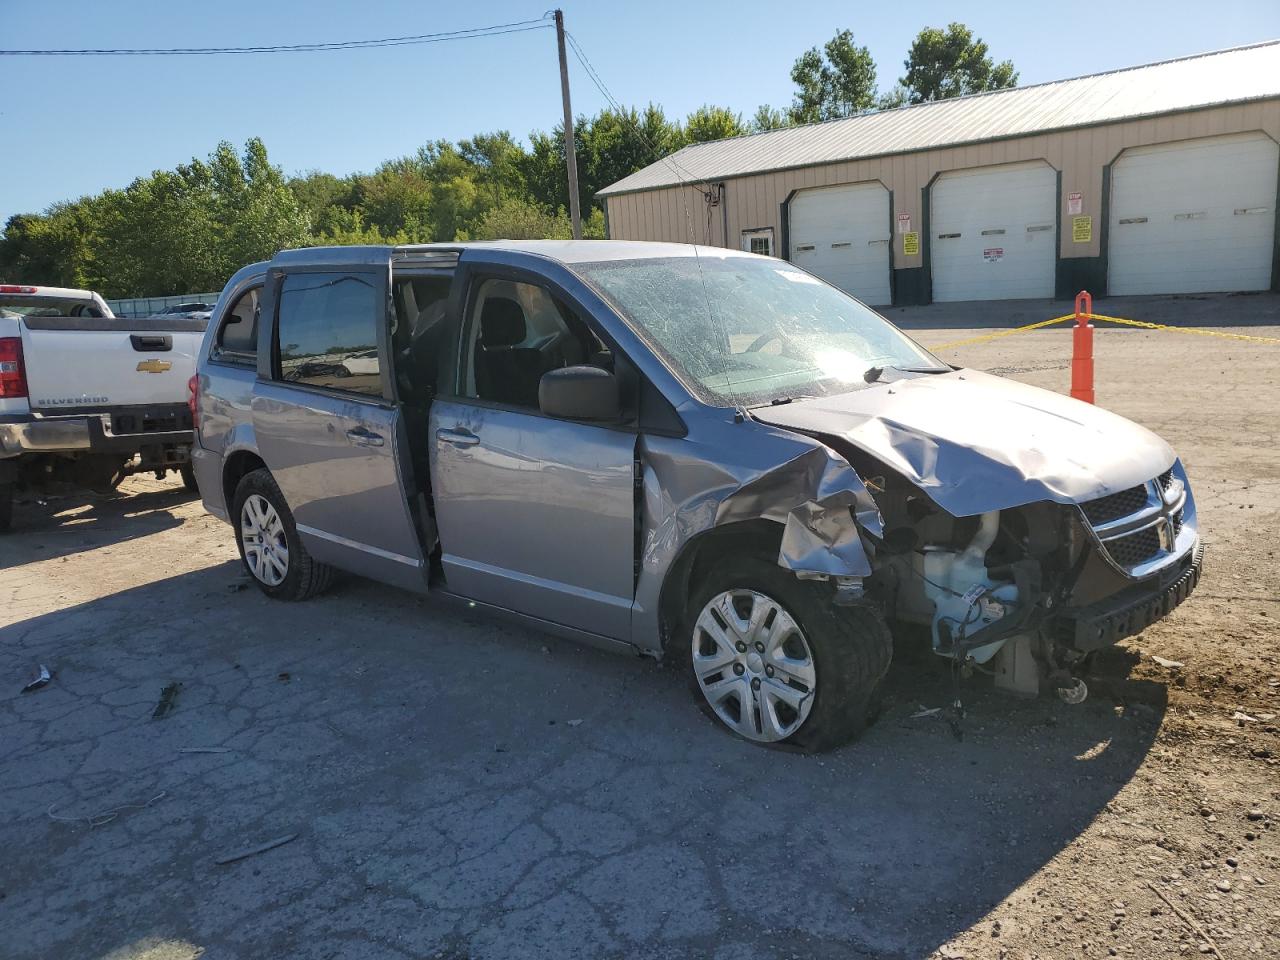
(356, 545)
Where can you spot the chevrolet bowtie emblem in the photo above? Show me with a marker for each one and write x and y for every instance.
(153, 366)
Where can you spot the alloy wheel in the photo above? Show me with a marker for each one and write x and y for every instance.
(753, 664)
(266, 550)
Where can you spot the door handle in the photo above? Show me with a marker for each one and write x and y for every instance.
(459, 438)
(363, 437)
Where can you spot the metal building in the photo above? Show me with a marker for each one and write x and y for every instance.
(1160, 178)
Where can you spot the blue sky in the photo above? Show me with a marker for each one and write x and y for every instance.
(77, 125)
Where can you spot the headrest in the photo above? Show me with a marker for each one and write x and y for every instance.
(501, 323)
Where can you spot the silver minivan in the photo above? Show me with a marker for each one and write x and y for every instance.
(679, 451)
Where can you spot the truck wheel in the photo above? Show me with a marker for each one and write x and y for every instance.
(6, 506)
(269, 544)
(188, 474)
(775, 661)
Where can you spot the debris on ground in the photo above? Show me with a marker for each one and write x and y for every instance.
(1243, 717)
(1186, 918)
(99, 819)
(254, 851)
(926, 712)
(284, 677)
(204, 750)
(40, 677)
(235, 586)
(575, 723)
(165, 704)
(1166, 662)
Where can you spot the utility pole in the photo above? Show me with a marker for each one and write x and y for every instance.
(570, 148)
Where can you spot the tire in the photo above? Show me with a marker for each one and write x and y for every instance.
(6, 506)
(849, 650)
(303, 576)
(188, 474)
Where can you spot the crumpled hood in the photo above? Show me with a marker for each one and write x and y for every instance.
(974, 442)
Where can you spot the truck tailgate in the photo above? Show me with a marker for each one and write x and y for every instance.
(108, 362)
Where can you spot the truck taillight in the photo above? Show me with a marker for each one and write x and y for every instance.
(193, 400)
(13, 375)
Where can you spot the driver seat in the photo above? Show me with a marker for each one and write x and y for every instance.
(505, 372)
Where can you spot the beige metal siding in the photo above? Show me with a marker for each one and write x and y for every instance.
(680, 213)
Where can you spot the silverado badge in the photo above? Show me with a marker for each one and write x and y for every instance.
(153, 366)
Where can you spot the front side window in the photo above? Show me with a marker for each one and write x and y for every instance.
(327, 332)
(738, 330)
(517, 332)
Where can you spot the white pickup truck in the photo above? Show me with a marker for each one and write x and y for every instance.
(89, 397)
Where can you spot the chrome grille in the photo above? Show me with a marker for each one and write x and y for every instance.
(1136, 548)
(1139, 528)
(1115, 505)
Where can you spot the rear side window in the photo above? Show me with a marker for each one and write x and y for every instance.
(327, 332)
(237, 340)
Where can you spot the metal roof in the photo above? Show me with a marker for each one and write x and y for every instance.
(1207, 79)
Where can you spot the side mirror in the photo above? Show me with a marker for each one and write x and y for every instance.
(579, 393)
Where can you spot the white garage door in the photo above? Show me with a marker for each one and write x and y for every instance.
(993, 232)
(1194, 216)
(842, 235)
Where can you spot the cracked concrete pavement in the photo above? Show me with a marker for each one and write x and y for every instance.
(446, 806)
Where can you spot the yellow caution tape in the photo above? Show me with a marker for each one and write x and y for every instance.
(1003, 333)
(986, 338)
(1196, 330)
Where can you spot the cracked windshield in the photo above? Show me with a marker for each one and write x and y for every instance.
(742, 330)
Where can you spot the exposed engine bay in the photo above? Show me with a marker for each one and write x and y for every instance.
(1016, 561)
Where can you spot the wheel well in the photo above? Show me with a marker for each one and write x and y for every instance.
(760, 538)
(238, 464)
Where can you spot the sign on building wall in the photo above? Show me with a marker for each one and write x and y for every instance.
(910, 244)
(1075, 203)
(993, 254)
(904, 223)
(1081, 229)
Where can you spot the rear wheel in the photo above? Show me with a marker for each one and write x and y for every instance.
(270, 548)
(776, 662)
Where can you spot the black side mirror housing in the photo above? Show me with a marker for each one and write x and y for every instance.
(579, 393)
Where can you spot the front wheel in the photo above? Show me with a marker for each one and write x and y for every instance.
(270, 548)
(776, 662)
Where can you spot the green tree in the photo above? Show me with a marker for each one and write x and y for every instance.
(838, 80)
(712, 123)
(316, 192)
(951, 63)
(769, 118)
(496, 159)
(899, 96)
(610, 146)
(518, 219)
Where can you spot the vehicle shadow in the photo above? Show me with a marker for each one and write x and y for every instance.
(56, 523)
(482, 789)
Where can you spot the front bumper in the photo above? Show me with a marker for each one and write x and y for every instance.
(1131, 610)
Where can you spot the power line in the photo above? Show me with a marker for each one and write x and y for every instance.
(496, 30)
(693, 180)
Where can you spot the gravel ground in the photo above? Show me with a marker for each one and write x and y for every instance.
(461, 789)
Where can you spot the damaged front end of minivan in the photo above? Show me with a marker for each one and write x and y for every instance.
(1023, 531)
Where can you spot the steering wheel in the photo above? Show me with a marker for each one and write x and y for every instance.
(789, 347)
